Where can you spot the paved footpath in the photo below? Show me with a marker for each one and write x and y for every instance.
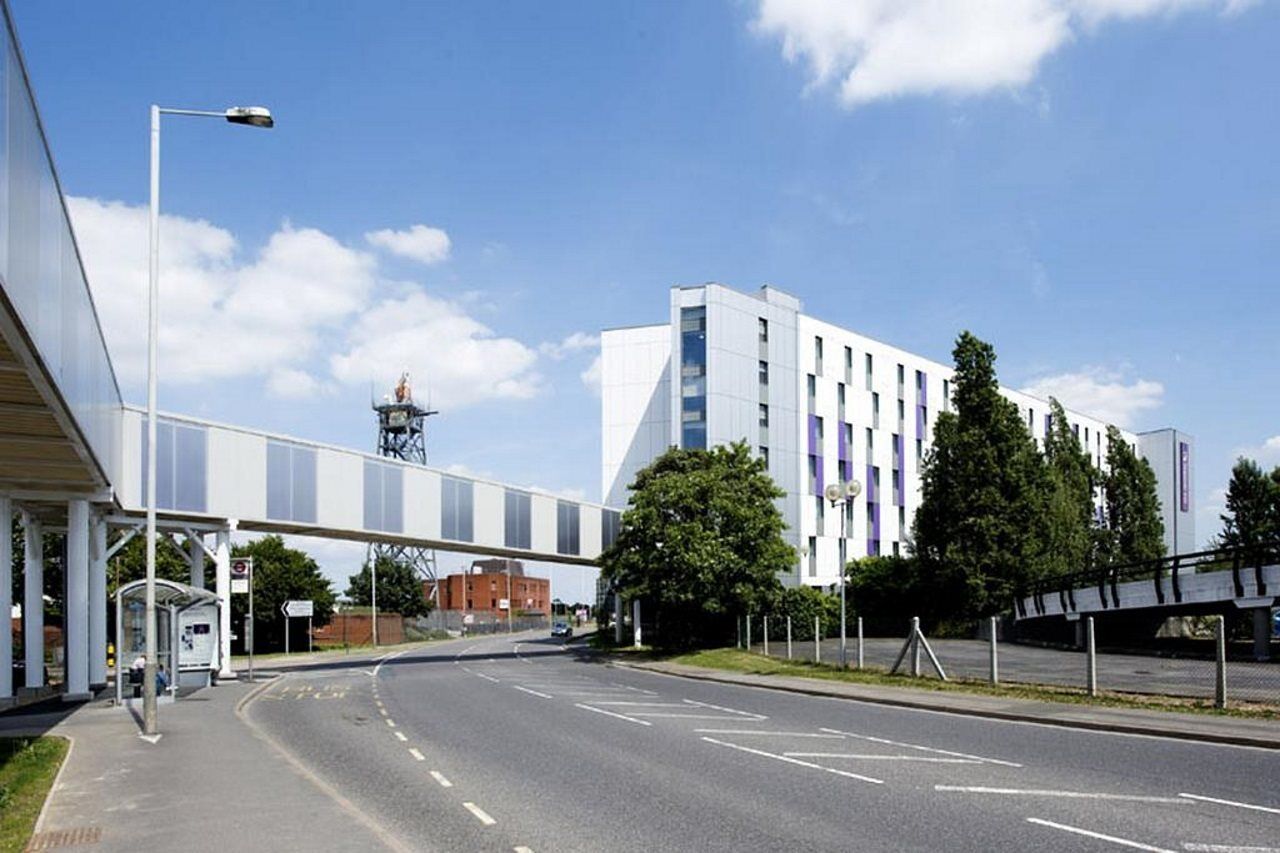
(211, 782)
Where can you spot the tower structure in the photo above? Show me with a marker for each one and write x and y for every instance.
(402, 435)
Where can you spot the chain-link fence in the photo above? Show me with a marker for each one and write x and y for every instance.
(1202, 668)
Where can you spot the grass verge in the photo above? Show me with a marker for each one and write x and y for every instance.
(738, 660)
(27, 770)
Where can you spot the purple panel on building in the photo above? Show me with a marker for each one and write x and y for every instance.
(842, 446)
(818, 481)
(922, 383)
(872, 497)
(814, 449)
(920, 422)
(1184, 462)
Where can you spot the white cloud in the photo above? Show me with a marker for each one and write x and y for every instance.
(460, 359)
(304, 313)
(591, 376)
(1100, 393)
(420, 243)
(881, 49)
(575, 342)
(1267, 453)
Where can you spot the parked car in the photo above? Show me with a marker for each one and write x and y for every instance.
(561, 629)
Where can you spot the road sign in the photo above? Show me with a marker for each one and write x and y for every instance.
(241, 571)
(469, 619)
(298, 608)
(503, 604)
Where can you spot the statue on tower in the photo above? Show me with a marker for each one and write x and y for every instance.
(404, 393)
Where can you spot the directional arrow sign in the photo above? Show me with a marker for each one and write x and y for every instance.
(298, 608)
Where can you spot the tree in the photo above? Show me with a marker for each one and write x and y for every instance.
(1253, 506)
(700, 543)
(279, 575)
(979, 532)
(1134, 530)
(886, 591)
(1070, 527)
(399, 589)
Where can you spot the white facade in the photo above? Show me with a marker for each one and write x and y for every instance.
(814, 399)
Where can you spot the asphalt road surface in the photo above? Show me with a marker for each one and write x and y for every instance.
(518, 744)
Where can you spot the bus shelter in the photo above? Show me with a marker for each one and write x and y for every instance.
(187, 620)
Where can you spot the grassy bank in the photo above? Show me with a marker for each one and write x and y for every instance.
(737, 660)
(27, 769)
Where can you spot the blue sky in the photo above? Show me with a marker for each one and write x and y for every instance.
(1090, 184)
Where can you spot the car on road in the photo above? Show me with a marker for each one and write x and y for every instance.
(561, 629)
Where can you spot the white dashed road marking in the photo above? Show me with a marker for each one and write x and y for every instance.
(416, 754)
(611, 714)
(391, 722)
(481, 814)
(764, 733)
(1230, 803)
(486, 677)
(1040, 792)
(796, 761)
(532, 692)
(888, 742)
(439, 777)
(1123, 842)
(400, 736)
(868, 757)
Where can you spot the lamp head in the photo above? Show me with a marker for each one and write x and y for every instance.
(852, 489)
(833, 492)
(252, 116)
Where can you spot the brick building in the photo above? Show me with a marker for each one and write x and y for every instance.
(488, 582)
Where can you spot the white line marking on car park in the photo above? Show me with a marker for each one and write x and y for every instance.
(480, 814)
(1041, 792)
(725, 717)
(726, 710)
(1227, 848)
(765, 733)
(382, 711)
(391, 722)
(796, 761)
(531, 692)
(611, 714)
(644, 704)
(417, 754)
(522, 850)
(400, 737)
(1251, 806)
(439, 777)
(869, 757)
(1123, 842)
(934, 750)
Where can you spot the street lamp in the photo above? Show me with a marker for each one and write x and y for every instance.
(840, 494)
(254, 117)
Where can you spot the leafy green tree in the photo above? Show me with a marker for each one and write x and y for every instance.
(1253, 506)
(1070, 532)
(279, 575)
(886, 591)
(130, 564)
(700, 543)
(1134, 530)
(980, 531)
(399, 589)
(803, 604)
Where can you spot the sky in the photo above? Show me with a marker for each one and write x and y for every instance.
(472, 191)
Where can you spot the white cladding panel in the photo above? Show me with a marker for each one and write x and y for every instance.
(339, 490)
(421, 503)
(589, 529)
(635, 405)
(542, 512)
(489, 508)
(237, 474)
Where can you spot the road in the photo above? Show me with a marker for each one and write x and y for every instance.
(1246, 680)
(519, 744)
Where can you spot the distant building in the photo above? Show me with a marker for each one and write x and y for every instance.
(483, 589)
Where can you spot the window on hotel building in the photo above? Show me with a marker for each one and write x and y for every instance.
(875, 410)
(870, 445)
(902, 381)
(919, 452)
(819, 516)
(870, 366)
(812, 391)
(813, 474)
(902, 415)
(848, 365)
(840, 401)
(764, 416)
(764, 331)
(764, 374)
(693, 373)
(764, 454)
(946, 395)
(813, 556)
(817, 356)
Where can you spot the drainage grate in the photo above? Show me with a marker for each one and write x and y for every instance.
(58, 838)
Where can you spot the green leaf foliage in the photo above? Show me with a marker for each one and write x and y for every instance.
(1253, 506)
(1071, 534)
(700, 543)
(399, 589)
(886, 592)
(1134, 531)
(279, 575)
(980, 532)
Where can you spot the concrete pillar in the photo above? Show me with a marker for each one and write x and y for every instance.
(33, 600)
(222, 585)
(76, 609)
(1262, 633)
(6, 598)
(195, 559)
(98, 604)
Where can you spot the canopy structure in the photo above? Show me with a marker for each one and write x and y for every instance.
(171, 594)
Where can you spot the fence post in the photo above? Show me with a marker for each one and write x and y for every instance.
(766, 636)
(635, 620)
(748, 632)
(995, 664)
(788, 638)
(915, 646)
(859, 642)
(1220, 686)
(1091, 653)
(817, 639)
(737, 630)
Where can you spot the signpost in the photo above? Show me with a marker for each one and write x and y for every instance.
(297, 608)
(242, 582)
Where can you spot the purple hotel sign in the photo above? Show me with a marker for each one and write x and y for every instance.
(1184, 462)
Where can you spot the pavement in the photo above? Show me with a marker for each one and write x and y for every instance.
(527, 744)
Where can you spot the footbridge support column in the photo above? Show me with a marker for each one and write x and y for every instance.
(222, 586)
(33, 600)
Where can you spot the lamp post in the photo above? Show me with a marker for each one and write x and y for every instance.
(839, 494)
(253, 117)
